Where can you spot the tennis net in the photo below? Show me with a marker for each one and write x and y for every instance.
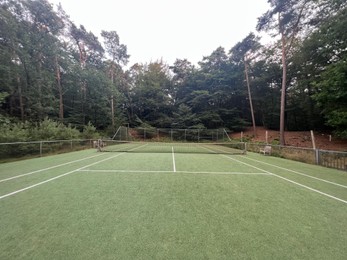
(169, 147)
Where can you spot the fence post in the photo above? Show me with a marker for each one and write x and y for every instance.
(317, 153)
(40, 148)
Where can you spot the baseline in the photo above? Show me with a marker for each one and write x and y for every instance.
(189, 172)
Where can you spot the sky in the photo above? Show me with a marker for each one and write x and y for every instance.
(169, 29)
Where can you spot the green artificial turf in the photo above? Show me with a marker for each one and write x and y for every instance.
(135, 206)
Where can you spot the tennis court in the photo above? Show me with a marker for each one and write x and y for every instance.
(144, 204)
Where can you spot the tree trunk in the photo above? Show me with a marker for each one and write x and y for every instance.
(250, 97)
(112, 97)
(60, 91)
(20, 97)
(283, 89)
(112, 111)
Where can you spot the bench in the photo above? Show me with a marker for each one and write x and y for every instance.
(266, 150)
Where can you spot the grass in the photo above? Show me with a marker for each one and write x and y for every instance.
(134, 206)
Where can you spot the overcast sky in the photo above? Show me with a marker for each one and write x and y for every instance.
(169, 29)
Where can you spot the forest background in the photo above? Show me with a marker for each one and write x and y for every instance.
(58, 79)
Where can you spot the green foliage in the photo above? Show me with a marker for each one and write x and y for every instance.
(26, 131)
(14, 132)
(184, 118)
(338, 120)
(50, 68)
(89, 132)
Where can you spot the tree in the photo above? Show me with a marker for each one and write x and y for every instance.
(286, 16)
(119, 57)
(184, 118)
(150, 94)
(244, 52)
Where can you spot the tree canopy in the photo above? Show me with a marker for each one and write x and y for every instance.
(54, 69)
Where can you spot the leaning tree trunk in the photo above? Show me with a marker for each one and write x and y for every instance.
(250, 97)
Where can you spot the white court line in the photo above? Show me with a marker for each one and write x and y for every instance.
(173, 160)
(49, 168)
(283, 178)
(62, 175)
(303, 174)
(57, 177)
(190, 172)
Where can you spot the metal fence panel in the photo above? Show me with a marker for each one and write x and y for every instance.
(332, 159)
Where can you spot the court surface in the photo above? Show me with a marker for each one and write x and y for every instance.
(125, 205)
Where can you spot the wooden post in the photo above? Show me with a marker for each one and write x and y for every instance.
(266, 136)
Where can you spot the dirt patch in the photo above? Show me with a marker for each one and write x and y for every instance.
(298, 139)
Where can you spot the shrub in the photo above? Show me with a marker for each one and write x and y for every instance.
(89, 132)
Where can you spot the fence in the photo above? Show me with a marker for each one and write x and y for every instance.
(331, 159)
(170, 134)
(41, 148)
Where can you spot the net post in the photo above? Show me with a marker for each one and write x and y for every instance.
(40, 148)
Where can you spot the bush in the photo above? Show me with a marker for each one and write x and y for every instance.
(89, 132)
(26, 131)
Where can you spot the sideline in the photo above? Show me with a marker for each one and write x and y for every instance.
(57, 177)
(62, 175)
(299, 173)
(288, 180)
(49, 168)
